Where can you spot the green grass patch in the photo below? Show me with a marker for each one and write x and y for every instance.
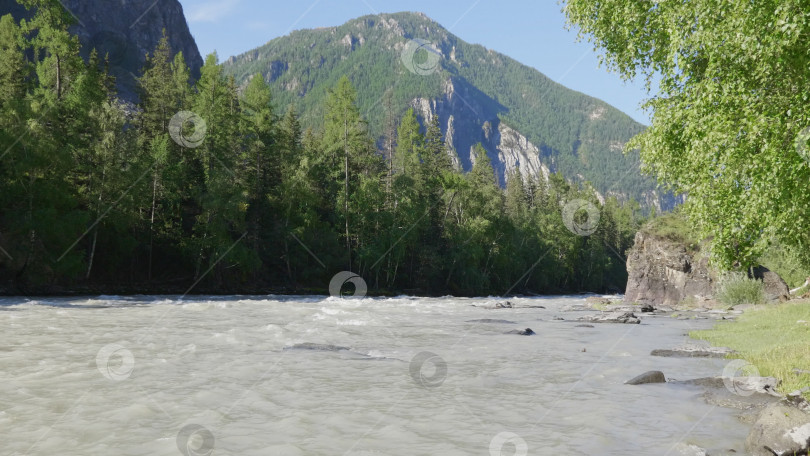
(737, 288)
(601, 306)
(773, 339)
(675, 227)
(785, 262)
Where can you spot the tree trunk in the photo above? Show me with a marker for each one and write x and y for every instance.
(92, 254)
(152, 225)
(95, 230)
(58, 77)
(346, 188)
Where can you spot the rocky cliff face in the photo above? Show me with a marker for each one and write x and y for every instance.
(126, 30)
(665, 272)
(469, 123)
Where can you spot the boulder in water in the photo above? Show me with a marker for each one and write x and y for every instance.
(317, 347)
(647, 308)
(613, 317)
(647, 377)
(490, 320)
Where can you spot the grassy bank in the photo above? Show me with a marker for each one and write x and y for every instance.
(775, 339)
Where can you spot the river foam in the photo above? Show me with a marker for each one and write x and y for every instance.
(171, 376)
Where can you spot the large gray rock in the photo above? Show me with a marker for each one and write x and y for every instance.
(126, 30)
(665, 272)
(647, 377)
(775, 287)
(780, 430)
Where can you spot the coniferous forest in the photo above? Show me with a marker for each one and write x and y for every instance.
(206, 186)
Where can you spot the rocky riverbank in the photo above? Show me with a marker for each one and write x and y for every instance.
(780, 422)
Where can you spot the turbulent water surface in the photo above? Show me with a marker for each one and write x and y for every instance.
(326, 376)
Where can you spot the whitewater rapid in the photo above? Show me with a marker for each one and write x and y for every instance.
(328, 376)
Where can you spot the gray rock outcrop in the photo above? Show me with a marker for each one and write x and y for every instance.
(665, 272)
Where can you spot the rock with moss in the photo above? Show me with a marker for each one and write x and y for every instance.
(667, 267)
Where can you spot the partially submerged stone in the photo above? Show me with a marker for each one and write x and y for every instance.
(690, 352)
(491, 320)
(647, 377)
(613, 317)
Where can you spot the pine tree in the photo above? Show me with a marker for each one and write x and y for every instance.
(347, 145)
(262, 161)
(164, 91)
(410, 144)
(57, 51)
(14, 69)
(222, 193)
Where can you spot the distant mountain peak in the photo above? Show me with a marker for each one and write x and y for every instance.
(527, 122)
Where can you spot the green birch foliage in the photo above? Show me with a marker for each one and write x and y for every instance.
(730, 114)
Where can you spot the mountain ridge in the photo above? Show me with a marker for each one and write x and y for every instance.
(475, 91)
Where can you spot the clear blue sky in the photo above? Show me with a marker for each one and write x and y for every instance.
(530, 31)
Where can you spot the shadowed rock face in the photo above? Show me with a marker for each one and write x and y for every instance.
(126, 30)
(663, 272)
(775, 287)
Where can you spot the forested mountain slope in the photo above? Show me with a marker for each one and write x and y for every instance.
(524, 119)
